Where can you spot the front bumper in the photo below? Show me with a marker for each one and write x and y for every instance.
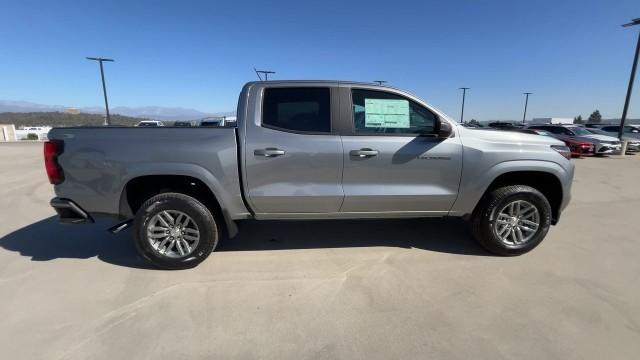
(633, 147)
(70, 212)
(608, 148)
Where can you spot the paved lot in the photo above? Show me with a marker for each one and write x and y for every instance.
(324, 290)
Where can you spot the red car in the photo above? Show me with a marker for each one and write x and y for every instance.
(577, 147)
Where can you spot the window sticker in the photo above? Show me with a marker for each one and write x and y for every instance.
(386, 113)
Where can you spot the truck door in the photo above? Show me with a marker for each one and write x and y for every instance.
(293, 158)
(393, 161)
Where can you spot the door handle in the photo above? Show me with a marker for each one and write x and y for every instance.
(364, 153)
(268, 152)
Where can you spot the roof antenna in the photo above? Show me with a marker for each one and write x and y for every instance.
(264, 72)
(380, 82)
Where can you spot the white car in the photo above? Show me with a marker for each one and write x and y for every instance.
(150, 123)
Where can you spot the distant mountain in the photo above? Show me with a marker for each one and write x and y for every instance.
(57, 118)
(149, 112)
(26, 106)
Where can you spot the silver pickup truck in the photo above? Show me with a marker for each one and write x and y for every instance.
(308, 150)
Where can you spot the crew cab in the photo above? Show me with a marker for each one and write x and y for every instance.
(308, 150)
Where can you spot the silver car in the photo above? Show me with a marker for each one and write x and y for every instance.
(630, 131)
(633, 143)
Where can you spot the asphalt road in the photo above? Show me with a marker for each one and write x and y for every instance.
(411, 289)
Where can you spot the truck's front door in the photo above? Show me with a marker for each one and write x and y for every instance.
(293, 160)
(393, 162)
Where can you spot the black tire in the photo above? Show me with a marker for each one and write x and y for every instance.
(483, 218)
(200, 214)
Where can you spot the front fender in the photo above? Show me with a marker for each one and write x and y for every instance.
(476, 181)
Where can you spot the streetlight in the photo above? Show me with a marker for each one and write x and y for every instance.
(633, 75)
(526, 101)
(380, 82)
(107, 120)
(464, 93)
(264, 72)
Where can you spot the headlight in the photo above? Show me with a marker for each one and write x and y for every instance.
(562, 150)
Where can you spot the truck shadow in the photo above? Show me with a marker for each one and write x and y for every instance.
(48, 240)
(440, 235)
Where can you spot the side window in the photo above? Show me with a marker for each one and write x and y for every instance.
(566, 131)
(379, 112)
(297, 109)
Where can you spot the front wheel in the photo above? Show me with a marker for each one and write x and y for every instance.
(175, 231)
(512, 220)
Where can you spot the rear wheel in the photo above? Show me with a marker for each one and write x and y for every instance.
(175, 231)
(512, 220)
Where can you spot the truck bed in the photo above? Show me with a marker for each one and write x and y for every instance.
(99, 161)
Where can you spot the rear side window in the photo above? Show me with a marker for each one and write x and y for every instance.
(297, 109)
(556, 130)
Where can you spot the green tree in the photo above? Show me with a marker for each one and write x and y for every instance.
(578, 120)
(595, 117)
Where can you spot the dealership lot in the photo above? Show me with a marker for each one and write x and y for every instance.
(324, 290)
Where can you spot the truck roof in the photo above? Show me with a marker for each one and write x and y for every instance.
(322, 82)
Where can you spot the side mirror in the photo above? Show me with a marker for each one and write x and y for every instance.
(445, 130)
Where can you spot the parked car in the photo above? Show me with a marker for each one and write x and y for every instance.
(309, 150)
(213, 122)
(603, 144)
(150, 123)
(504, 125)
(182, 124)
(577, 147)
(633, 144)
(630, 131)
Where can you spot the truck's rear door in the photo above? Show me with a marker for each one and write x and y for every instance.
(293, 160)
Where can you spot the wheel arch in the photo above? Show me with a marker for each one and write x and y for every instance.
(545, 182)
(142, 187)
(548, 177)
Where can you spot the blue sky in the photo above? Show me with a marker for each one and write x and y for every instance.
(573, 55)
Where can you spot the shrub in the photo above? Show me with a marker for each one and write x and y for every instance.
(32, 136)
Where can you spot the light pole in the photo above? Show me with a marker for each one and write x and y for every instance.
(526, 102)
(263, 72)
(464, 93)
(631, 78)
(107, 120)
(380, 82)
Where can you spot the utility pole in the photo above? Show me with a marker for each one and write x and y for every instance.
(464, 93)
(264, 72)
(107, 120)
(526, 102)
(380, 82)
(631, 78)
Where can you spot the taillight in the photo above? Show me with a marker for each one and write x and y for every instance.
(562, 150)
(52, 149)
